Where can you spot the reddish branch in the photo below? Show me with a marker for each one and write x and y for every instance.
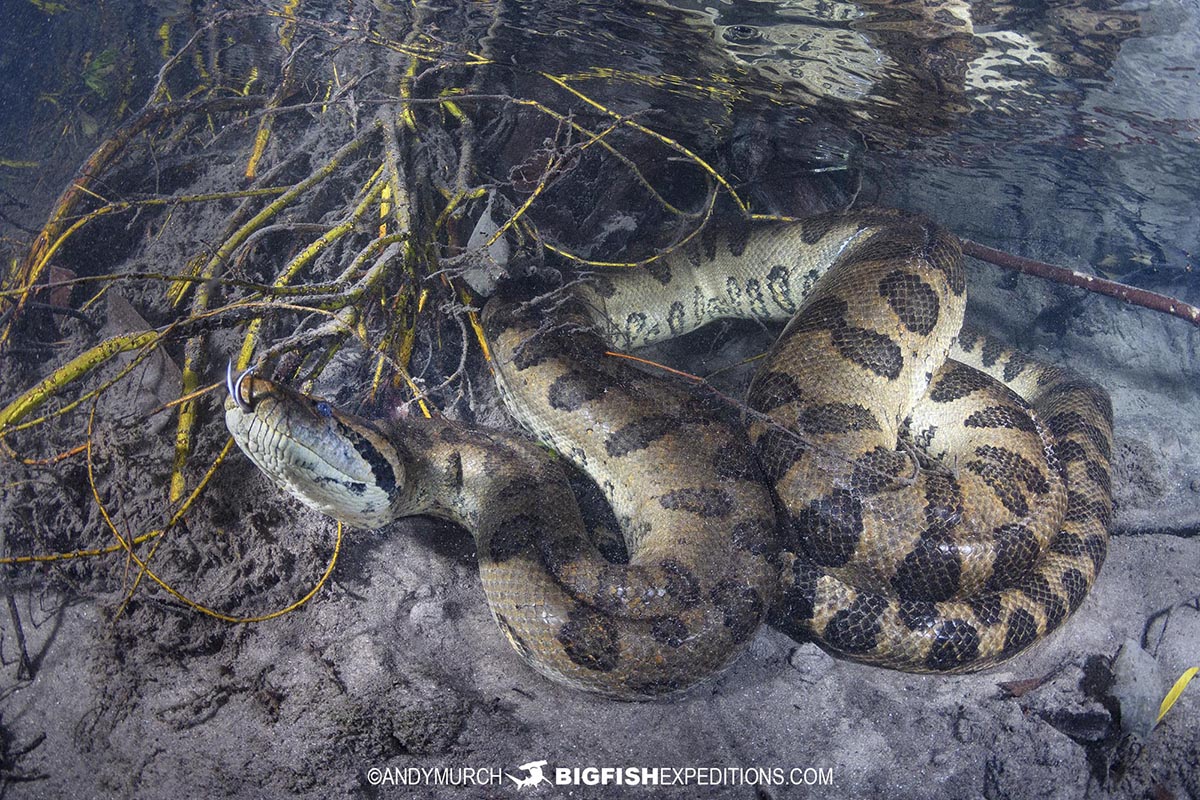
(1137, 297)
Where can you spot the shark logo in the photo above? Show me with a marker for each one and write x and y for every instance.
(534, 776)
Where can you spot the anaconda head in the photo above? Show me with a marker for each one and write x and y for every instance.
(334, 462)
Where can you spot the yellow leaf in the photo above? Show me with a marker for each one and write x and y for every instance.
(1176, 690)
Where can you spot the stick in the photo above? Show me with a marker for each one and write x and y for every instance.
(1128, 294)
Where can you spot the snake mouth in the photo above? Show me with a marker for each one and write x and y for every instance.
(334, 462)
(234, 387)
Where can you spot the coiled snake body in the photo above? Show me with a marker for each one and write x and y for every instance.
(911, 494)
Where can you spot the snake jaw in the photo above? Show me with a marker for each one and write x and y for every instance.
(332, 461)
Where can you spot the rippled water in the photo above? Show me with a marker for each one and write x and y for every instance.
(1089, 118)
(1070, 126)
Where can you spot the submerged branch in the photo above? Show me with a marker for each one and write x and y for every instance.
(1070, 277)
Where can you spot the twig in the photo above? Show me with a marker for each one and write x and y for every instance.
(24, 666)
(1070, 277)
(31, 266)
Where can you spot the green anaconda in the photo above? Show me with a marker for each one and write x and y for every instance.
(910, 493)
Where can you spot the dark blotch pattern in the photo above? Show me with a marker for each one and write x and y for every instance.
(943, 502)
(535, 350)
(870, 350)
(700, 501)
(753, 536)
(1071, 422)
(732, 464)
(914, 301)
(794, 609)
(958, 381)
(569, 392)
(987, 608)
(931, 571)
(1016, 553)
(1084, 391)
(1096, 546)
(814, 229)
(612, 547)
(660, 270)
(836, 418)
(1100, 476)
(1068, 451)
(1001, 417)
(771, 389)
(1003, 485)
(640, 434)
(1081, 508)
(1038, 589)
(669, 631)
(1015, 366)
(513, 536)
(1076, 586)
(992, 350)
(381, 468)
(855, 629)
(879, 470)
(1017, 465)
(917, 615)
(778, 450)
(1004, 472)
(945, 255)
(681, 583)
(590, 640)
(830, 528)
(1067, 543)
(741, 608)
(739, 237)
(955, 644)
(1022, 632)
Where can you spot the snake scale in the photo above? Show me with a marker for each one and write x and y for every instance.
(905, 492)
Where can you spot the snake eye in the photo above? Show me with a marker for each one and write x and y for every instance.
(234, 387)
(323, 408)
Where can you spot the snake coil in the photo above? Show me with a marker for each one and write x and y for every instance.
(910, 493)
